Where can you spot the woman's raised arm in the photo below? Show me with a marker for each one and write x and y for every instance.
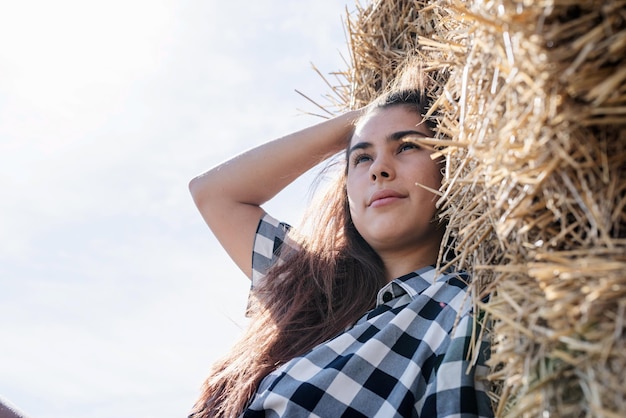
(229, 196)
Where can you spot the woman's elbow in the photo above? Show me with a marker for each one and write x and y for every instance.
(199, 188)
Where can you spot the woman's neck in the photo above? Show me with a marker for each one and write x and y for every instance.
(403, 261)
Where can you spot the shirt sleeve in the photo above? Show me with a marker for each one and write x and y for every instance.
(268, 249)
(459, 388)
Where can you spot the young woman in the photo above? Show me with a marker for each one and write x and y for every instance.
(353, 319)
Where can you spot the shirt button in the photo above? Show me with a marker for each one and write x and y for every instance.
(387, 296)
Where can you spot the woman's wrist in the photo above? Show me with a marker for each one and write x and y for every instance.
(348, 121)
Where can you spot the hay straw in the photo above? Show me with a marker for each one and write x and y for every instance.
(534, 99)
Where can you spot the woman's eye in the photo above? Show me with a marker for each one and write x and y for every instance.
(408, 146)
(360, 159)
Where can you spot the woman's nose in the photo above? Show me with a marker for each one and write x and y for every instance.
(381, 169)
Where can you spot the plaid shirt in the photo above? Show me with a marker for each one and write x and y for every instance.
(405, 358)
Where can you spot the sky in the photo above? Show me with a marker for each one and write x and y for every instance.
(115, 298)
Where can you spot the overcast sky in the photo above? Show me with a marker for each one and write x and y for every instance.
(114, 296)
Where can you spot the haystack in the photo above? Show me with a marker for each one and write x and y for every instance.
(532, 114)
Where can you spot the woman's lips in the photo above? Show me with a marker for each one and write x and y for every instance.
(384, 197)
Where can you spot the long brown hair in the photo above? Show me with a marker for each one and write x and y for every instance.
(321, 290)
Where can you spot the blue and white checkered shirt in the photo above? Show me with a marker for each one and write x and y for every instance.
(408, 357)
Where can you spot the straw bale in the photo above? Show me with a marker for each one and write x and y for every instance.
(541, 90)
(532, 108)
(380, 35)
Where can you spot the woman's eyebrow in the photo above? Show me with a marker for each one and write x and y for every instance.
(359, 145)
(394, 137)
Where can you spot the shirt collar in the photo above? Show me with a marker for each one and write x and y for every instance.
(411, 284)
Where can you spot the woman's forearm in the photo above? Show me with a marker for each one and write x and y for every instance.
(259, 174)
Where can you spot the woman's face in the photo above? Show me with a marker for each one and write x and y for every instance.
(388, 205)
